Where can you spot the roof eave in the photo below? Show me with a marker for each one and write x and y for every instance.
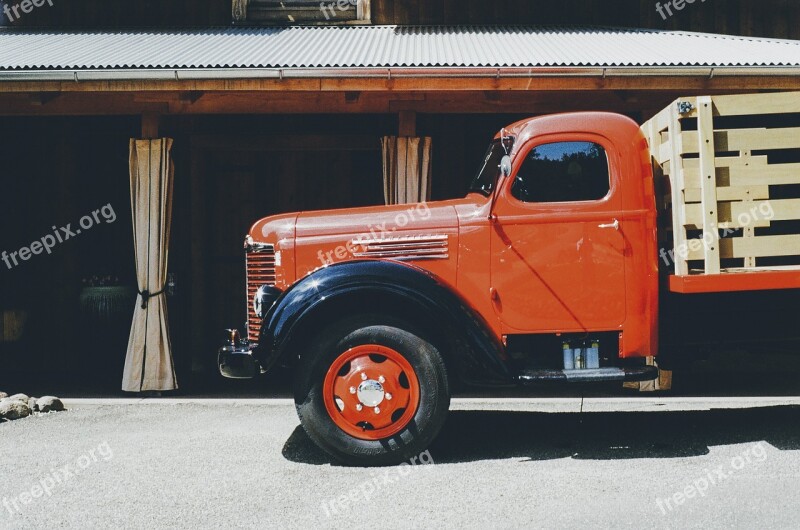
(200, 74)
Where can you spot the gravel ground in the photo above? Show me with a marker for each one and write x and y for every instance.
(247, 465)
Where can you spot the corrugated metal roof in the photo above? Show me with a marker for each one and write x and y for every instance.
(388, 47)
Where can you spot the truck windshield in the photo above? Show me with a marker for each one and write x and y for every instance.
(487, 176)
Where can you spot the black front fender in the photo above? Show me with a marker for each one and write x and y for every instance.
(333, 291)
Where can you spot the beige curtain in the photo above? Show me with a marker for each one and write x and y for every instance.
(406, 169)
(148, 365)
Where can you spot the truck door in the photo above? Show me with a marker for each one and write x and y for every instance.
(558, 255)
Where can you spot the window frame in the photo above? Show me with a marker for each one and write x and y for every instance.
(612, 158)
(362, 14)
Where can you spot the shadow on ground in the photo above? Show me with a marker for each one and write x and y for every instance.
(470, 436)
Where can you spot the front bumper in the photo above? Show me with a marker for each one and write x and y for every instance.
(237, 361)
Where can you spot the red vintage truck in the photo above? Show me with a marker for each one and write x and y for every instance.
(586, 245)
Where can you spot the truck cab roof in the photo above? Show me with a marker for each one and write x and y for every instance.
(616, 127)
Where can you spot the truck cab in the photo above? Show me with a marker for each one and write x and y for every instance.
(546, 271)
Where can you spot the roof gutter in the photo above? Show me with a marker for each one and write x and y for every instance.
(205, 74)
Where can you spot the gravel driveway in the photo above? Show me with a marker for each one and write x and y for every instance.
(513, 464)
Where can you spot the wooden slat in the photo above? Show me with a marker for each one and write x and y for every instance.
(746, 139)
(754, 104)
(752, 175)
(729, 217)
(656, 131)
(664, 152)
(750, 104)
(728, 161)
(741, 247)
(728, 193)
(661, 121)
(778, 210)
(771, 175)
(654, 140)
(756, 214)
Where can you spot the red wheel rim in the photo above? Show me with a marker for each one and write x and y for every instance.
(371, 392)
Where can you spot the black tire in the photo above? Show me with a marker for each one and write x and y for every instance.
(411, 441)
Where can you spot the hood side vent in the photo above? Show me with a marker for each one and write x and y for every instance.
(403, 248)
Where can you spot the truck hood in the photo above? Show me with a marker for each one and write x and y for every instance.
(378, 221)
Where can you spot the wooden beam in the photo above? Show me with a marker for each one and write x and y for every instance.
(286, 143)
(150, 123)
(408, 123)
(532, 102)
(40, 99)
(430, 84)
(190, 97)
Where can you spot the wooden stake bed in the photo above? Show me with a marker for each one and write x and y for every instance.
(727, 171)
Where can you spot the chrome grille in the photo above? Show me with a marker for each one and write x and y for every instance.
(260, 271)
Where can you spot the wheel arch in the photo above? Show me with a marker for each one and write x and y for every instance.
(400, 293)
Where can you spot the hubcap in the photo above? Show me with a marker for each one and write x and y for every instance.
(371, 392)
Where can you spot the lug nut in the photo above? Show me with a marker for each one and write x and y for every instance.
(388, 397)
(381, 379)
(352, 390)
(363, 376)
(359, 407)
(377, 410)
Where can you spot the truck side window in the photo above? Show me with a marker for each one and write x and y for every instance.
(563, 172)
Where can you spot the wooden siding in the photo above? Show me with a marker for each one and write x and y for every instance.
(767, 18)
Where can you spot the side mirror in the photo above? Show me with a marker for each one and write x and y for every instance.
(505, 166)
(505, 171)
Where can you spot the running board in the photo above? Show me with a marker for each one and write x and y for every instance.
(599, 375)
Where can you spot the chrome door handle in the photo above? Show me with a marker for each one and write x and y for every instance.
(614, 225)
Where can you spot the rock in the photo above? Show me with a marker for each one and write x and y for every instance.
(3, 395)
(14, 410)
(49, 404)
(19, 397)
(32, 404)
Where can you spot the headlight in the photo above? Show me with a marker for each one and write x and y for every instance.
(264, 299)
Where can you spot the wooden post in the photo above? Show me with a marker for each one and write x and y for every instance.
(749, 231)
(677, 183)
(150, 122)
(408, 123)
(708, 184)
